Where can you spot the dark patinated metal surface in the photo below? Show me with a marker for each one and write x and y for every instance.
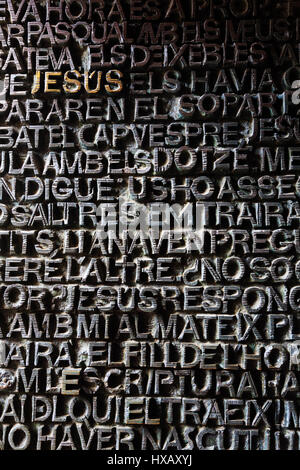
(149, 224)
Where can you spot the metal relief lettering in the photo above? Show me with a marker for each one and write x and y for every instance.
(149, 225)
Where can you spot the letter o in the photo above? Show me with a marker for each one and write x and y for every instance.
(239, 7)
(294, 303)
(240, 271)
(282, 356)
(21, 296)
(208, 190)
(76, 4)
(192, 158)
(85, 414)
(259, 302)
(285, 265)
(3, 214)
(208, 97)
(81, 25)
(25, 441)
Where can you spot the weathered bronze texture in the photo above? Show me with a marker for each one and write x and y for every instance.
(149, 224)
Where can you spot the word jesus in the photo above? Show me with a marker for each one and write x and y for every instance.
(54, 82)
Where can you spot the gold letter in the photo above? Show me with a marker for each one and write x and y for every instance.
(66, 381)
(71, 82)
(114, 80)
(51, 82)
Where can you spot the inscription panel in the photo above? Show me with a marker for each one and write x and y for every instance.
(149, 224)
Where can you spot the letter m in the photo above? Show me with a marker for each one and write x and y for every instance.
(28, 384)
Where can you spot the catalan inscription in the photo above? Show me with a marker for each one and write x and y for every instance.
(149, 224)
